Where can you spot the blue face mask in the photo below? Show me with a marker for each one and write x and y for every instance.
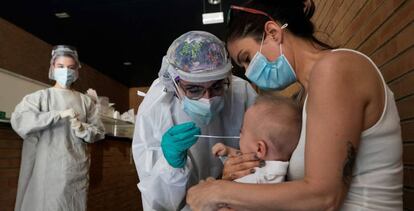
(64, 76)
(275, 75)
(203, 111)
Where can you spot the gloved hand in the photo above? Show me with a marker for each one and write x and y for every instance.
(76, 124)
(176, 141)
(68, 113)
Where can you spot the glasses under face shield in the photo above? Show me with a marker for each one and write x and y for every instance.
(196, 92)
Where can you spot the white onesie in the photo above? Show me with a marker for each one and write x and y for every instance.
(272, 172)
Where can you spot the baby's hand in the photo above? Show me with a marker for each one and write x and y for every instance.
(233, 152)
(219, 149)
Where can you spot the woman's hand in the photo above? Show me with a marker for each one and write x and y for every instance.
(205, 196)
(241, 165)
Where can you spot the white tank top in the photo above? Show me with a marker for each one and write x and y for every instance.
(377, 178)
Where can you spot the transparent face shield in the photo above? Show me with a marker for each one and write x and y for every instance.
(64, 51)
(195, 90)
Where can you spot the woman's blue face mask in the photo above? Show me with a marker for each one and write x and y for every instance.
(267, 75)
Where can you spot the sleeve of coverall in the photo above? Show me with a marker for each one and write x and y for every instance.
(162, 186)
(28, 118)
(92, 130)
(251, 95)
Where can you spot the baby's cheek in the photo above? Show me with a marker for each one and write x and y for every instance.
(247, 146)
(243, 147)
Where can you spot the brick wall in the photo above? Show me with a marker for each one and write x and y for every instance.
(113, 177)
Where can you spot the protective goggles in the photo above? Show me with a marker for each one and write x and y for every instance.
(248, 10)
(196, 92)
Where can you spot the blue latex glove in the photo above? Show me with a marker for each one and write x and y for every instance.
(176, 141)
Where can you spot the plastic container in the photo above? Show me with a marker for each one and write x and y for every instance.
(117, 127)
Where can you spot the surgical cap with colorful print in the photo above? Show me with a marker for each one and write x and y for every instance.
(195, 56)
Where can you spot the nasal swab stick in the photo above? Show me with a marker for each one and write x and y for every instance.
(223, 137)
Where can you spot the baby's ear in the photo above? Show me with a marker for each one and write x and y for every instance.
(261, 149)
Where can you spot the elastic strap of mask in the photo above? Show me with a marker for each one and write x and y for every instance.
(261, 44)
(281, 51)
(280, 46)
(176, 88)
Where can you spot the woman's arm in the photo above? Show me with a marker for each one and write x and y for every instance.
(336, 106)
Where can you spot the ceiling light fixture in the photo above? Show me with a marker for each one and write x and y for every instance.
(212, 17)
(62, 15)
(214, 2)
(127, 63)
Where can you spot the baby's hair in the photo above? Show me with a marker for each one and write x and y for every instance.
(276, 100)
(280, 123)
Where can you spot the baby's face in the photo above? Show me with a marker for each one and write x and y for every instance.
(247, 137)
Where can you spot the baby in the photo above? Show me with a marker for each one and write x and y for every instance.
(271, 129)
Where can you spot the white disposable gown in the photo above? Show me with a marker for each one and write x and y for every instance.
(162, 186)
(55, 161)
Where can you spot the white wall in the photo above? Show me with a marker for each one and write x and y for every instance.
(13, 88)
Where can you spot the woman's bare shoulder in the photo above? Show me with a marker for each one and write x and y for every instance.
(342, 65)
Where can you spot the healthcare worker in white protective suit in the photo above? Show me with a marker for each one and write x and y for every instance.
(194, 94)
(56, 125)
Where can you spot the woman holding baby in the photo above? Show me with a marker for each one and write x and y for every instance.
(349, 152)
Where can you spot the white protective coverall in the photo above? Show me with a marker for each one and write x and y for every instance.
(54, 172)
(162, 186)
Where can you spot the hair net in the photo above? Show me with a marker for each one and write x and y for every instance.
(64, 50)
(195, 56)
